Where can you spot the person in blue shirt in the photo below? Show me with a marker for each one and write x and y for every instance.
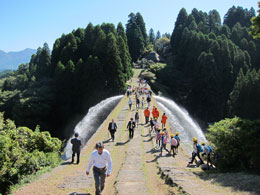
(164, 141)
(178, 140)
(207, 150)
(196, 151)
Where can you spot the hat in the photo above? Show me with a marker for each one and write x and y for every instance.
(194, 139)
(172, 135)
(99, 145)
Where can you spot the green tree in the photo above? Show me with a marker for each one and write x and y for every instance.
(158, 35)
(151, 36)
(113, 66)
(256, 25)
(136, 41)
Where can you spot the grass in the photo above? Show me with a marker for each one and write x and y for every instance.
(30, 178)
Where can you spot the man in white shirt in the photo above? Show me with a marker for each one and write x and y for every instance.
(102, 166)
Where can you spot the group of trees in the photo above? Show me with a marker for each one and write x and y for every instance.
(55, 89)
(207, 57)
(136, 35)
(215, 74)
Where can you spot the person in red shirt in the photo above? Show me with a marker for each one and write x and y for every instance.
(156, 113)
(163, 121)
(146, 115)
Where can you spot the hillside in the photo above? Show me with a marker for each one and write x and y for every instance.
(11, 60)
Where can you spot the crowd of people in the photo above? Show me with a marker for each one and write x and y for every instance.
(166, 140)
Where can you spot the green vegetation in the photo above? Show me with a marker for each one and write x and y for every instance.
(24, 152)
(207, 58)
(215, 74)
(256, 24)
(136, 35)
(237, 143)
(56, 89)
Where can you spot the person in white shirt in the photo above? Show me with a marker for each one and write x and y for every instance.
(130, 104)
(101, 161)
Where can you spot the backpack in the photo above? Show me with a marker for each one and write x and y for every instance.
(200, 148)
(165, 140)
(210, 149)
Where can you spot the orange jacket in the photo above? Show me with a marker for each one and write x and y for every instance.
(156, 114)
(146, 113)
(164, 118)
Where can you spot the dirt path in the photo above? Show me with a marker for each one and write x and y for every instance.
(137, 166)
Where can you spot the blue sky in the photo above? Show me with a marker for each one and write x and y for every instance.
(30, 23)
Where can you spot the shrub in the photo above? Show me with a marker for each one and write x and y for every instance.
(237, 142)
(24, 152)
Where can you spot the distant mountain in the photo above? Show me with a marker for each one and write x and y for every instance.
(11, 60)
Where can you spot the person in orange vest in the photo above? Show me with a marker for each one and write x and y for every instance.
(146, 115)
(153, 108)
(153, 111)
(163, 121)
(156, 113)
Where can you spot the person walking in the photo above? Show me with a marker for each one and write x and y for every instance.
(151, 124)
(130, 104)
(137, 106)
(156, 113)
(177, 137)
(173, 143)
(112, 127)
(158, 136)
(146, 115)
(76, 143)
(142, 102)
(196, 151)
(164, 141)
(163, 121)
(148, 99)
(101, 161)
(137, 118)
(207, 150)
(131, 128)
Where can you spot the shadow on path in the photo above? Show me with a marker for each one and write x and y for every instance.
(145, 135)
(66, 163)
(75, 193)
(240, 181)
(107, 141)
(153, 150)
(148, 140)
(122, 143)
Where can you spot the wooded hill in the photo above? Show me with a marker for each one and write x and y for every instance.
(215, 66)
(55, 90)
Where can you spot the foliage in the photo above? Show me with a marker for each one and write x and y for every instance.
(161, 45)
(24, 152)
(256, 25)
(136, 35)
(207, 57)
(56, 89)
(151, 36)
(237, 143)
(244, 99)
(156, 67)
